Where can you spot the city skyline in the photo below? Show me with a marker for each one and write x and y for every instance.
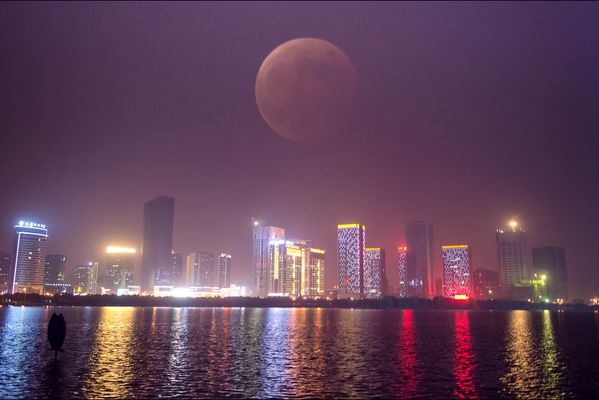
(488, 113)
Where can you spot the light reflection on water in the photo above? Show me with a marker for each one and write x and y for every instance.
(219, 352)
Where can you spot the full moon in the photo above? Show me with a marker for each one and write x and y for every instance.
(305, 89)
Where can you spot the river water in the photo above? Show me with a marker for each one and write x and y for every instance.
(284, 352)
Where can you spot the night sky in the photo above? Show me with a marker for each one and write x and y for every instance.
(468, 114)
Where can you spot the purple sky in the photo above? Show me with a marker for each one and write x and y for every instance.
(468, 114)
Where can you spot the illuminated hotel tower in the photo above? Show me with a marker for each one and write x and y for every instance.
(223, 274)
(374, 272)
(419, 261)
(456, 271)
(403, 287)
(29, 258)
(350, 259)
(156, 264)
(511, 256)
(264, 266)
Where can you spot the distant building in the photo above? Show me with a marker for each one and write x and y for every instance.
(79, 279)
(177, 270)
(119, 268)
(207, 270)
(351, 243)
(314, 285)
(485, 284)
(5, 268)
(29, 258)
(550, 263)
(419, 263)
(264, 266)
(511, 256)
(192, 270)
(298, 269)
(374, 272)
(156, 264)
(456, 271)
(92, 281)
(54, 272)
(223, 275)
(403, 283)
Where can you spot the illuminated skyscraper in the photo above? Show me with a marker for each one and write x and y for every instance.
(29, 258)
(264, 265)
(374, 272)
(350, 259)
(456, 271)
(54, 271)
(5, 268)
(403, 283)
(511, 256)
(157, 248)
(550, 262)
(207, 269)
(119, 267)
(79, 279)
(314, 277)
(192, 270)
(419, 260)
(223, 275)
(92, 281)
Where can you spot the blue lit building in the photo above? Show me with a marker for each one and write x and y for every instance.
(29, 258)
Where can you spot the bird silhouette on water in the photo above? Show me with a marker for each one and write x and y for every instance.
(57, 331)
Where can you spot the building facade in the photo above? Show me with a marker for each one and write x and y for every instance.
(374, 272)
(120, 267)
(177, 270)
(54, 272)
(314, 278)
(157, 247)
(223, 274)
(5, 268)
(207, 269)
(420, 275)
(351, 242)
(263, 262)
(485, 284)
(92, 281)
(29, 258)
(192, 270)
(403, 280)
(550, 263)
(511, 257)
(457, 279)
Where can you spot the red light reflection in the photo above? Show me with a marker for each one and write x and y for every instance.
(464, 358)
(408, 373)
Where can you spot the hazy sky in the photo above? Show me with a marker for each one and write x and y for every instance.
(468, 114)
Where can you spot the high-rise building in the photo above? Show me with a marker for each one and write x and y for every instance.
(456, 271)
(92, 281)
(314, 278)
(177, 271)
(485, 284)
(264, 265)
(550, 263)
(192, 270)
(5, 267)
(223, 275)
(403, 280)
(420, 275)
(55, 269)
(156, 264)
(351, 243)
(79, 279)
(207, 269)
(119, 267)
(511, 256)
(374, 272)
(29, 258)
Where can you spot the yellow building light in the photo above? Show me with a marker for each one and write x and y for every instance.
(120, 250)
(457, 246)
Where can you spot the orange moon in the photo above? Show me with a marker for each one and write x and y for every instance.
(305, 90)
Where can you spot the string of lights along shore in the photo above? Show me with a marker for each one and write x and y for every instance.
(288, 267)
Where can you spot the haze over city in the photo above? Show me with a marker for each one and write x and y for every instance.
(466, 115)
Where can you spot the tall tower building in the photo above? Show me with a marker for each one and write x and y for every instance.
(223, 275)
(314, 278)
(374, 272)
(264, 266)
(419, 260)
(157, 246)
(5, 268)
(456, 271)
(177, 270)
(511, 256)
(550, 262)
(29, 258)
(92, 281)
(119, 267)
(192, 270)
(55, 269)
(351, 242)
(403, 280)
(207, 269)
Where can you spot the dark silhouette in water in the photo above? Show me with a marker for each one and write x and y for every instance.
(57, 330)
